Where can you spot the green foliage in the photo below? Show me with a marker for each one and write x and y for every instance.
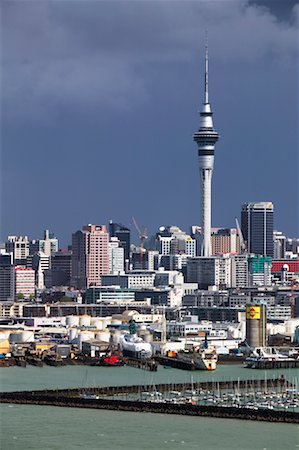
(65, 298)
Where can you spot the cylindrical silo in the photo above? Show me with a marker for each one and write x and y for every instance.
(4, 334)
(97, 323)
(84, 336)
(72, 321)
(84, 321)
(73, 334)
(115, 337)
(103, 336)
(116, 322)
(256, 325)
(17, 337)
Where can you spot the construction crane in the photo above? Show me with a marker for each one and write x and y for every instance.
(242, 242)
(142, 236)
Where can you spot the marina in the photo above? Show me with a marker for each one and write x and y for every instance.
(265, 400)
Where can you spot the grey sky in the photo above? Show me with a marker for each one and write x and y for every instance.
(99, 104)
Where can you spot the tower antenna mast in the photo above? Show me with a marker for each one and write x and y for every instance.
(206, 138)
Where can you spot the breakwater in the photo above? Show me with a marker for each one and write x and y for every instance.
(98, 398)
(161, 408)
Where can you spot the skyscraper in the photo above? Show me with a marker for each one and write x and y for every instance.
(7, 277)
(206, 138)
(257, 227)
(90, 257)
(19, 247)
(124, 236)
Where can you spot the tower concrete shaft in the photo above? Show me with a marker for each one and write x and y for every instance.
(206, 138)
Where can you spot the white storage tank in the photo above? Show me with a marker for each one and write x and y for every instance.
(17, 337)
(84, 321)
(4, 334)
(107, 321)
(115, 336)
(73, 334)
(97, 323)
(103, 336)
(72, 321)
(84, 336)
(116, 322)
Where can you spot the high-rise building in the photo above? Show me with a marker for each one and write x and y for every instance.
(212, 271)
(292, 246)
(223, 240)
(259, 270)
(90, 257)
(171, 240)
(48, 245)
(279, 242)
(7, 277)
(206, 138)
(116, 257)
(239, 271)
(24, 282)
(61, 268)
(123, 234)
(19, 247)
(257, 227)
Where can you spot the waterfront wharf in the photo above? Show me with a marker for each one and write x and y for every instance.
(276, 364)
(144, 364)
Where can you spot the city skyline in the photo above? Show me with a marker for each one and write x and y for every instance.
(110, 117)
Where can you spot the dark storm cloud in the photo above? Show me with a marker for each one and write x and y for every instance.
(82, 53)
(282, 9)
(99, 104)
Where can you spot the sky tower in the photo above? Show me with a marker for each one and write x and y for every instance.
(206, 138)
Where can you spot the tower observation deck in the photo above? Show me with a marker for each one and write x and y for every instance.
(206, 138)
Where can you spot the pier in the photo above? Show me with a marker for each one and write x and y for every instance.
(145, 364)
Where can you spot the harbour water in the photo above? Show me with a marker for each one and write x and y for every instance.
(52, 428)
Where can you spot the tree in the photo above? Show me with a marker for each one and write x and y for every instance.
(65, 298)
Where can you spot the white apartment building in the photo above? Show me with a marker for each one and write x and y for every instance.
(164, 244)
(133, 280)
(151, 255)
(239, 271)
(24, 281)
(278, 312)
(190, 247)
(116, 257)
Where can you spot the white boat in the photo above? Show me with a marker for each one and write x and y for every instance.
(133, 346)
